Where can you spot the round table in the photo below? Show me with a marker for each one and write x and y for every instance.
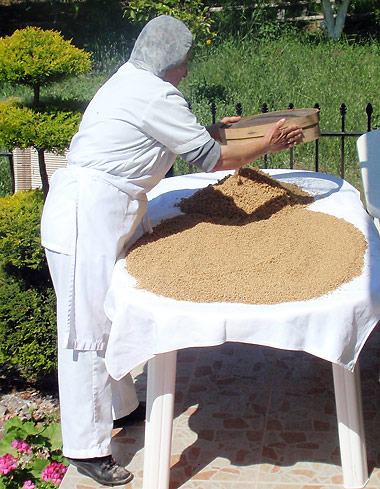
(146, 327)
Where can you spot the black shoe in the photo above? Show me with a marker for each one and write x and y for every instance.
(103, 470)
(139, 414)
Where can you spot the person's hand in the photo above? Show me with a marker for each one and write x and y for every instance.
(229, 120)
(214, 129)
(279, 138)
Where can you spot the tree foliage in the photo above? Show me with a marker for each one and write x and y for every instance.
(193, 13)
(23, 127)
(36, 57)
(253, 18)
(20, 243)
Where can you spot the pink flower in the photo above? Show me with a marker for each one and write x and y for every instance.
(28, 485)
(54, 473)
(7, 463)
(21, 446)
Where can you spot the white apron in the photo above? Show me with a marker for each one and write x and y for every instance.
(90, 215)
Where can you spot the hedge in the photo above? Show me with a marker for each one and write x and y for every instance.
(27, 299)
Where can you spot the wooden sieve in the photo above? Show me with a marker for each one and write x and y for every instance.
(257, 125)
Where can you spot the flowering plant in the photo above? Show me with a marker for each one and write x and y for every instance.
(31, 456)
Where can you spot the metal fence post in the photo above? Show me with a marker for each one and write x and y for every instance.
(316, 106)
(291, 150)
(213, 112)
(369, 112)
(264, 110)
(343, 111)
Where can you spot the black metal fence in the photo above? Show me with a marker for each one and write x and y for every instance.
(342, 134)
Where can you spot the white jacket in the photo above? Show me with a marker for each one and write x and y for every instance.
(129, 137)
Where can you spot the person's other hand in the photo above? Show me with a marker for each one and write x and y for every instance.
(214, 129)
(229, 120)
(279, 138)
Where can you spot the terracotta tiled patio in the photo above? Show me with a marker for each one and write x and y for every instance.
(250, 417)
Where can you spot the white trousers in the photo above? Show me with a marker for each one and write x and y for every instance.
(89, 398)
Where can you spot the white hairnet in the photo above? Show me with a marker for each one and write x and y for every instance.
(163, 43)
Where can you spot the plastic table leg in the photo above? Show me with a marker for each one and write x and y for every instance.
(160, 407)
(159, 420)
(350, 426)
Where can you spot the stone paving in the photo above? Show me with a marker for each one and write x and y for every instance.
(249, 417)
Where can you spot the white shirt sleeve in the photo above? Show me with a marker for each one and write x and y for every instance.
(169, 120)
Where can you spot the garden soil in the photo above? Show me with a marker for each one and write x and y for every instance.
(27, 399)
(247, 239)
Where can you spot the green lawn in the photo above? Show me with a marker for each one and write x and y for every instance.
(299, 70)
(289, 70)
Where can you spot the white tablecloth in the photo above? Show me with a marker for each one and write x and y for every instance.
(333, 327)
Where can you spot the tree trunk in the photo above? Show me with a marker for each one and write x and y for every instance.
(43, 172)
(12, 170)
(36, 99)
(335, 25)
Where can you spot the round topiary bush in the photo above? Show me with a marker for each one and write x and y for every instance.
(35, 58)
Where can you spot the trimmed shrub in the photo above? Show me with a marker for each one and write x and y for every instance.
(23, 127)
(27, 299)
(20, 245)
(27, 327)
(35, 57)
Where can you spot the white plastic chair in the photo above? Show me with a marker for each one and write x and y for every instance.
(368, 147)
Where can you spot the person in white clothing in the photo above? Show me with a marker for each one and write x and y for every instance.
(130, 134)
